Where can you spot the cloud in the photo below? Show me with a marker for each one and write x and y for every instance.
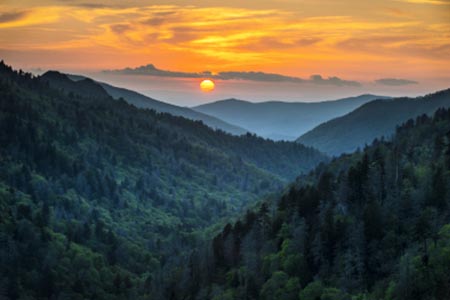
(395, 81)
(317, 79)
(12, 16)
(151, 70)
(271, 42)
(120, 28)
(155, 21)
(159, 18)
(92, 5)
(408, 44)
(257, 76)
(431, 2)
(375, 41)
(29, 17)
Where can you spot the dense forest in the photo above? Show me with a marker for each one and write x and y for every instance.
(101, 200)
(371, 225)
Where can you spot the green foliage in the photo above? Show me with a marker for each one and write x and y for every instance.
(371, 225)
(226, 295)
(312, 291)
(101, 200)
(280, 287)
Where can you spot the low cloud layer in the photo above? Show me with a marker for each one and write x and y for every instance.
(317, 79)
(151, 70)
(12, 16)
(395, 81)
(88, 4)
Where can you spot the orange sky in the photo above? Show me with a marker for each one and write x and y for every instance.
(354, 40)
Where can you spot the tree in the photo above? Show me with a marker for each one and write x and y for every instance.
(312, 291)
(423, 229)
(274, 288)
(373, 221)
(438, 197)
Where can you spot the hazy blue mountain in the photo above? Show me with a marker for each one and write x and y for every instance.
(281, 120)
(372, 120)
(89, 87)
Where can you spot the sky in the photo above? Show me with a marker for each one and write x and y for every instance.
(289, 50)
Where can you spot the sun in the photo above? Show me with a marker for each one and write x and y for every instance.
(207, 85)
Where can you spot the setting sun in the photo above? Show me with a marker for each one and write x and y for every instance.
(207, 85)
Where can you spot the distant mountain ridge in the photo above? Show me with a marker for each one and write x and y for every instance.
(372, 120)
(282, 120)
(90, 88)
(84, 87)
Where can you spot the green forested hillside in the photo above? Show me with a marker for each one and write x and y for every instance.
(372, 120)
(371, 225)
(99, 199)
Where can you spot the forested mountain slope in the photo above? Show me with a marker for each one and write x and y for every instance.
(97, 195)
(372, 120)
(89, 87)
(371, 225)
(281, 120)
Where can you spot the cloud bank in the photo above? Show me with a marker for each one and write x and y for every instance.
(151, 70)
(395, 81)
(12, 16)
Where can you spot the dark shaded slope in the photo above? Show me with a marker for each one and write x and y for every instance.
(368, 225)
(85, 87)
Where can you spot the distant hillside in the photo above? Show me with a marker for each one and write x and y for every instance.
(281, 120)
(372, 120)
(89, 87)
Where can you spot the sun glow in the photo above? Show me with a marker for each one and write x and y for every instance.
(207, 85)
(362, 40)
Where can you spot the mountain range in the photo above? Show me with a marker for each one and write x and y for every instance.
(281, 120)
(375, 119)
